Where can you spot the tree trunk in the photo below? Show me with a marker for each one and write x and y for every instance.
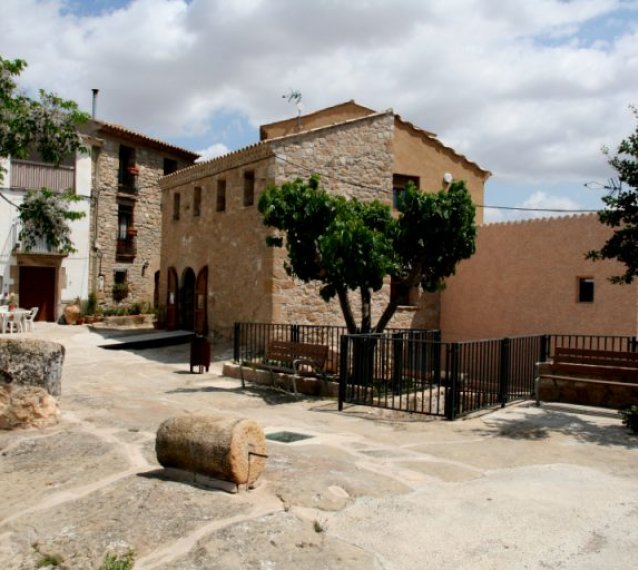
(346, 309)
(366, 317)
(225, 448)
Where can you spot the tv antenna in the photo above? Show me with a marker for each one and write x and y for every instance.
(295, 97)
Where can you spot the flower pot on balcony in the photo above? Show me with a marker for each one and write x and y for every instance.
(133, 170)
(131, 232)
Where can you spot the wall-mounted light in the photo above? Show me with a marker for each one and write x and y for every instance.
(447, 178)
(145, 267)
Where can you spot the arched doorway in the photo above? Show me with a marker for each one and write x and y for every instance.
(187, 300)
(156, 286)
(171, 300)
(201, 302)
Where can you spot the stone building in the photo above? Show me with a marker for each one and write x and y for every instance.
(215, 266)
(116, 178)
(125, 221)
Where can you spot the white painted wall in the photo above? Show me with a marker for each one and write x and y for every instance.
(76, 265)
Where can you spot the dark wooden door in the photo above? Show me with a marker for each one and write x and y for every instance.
(201, 317)
(171, 300)
(187, 307)
(37, 289)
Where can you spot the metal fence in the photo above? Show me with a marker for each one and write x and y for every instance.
(413, 371)
(409, 374)
(251, 339)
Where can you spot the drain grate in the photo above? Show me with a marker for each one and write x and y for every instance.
(287, 436)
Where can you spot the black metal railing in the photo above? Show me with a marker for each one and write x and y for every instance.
(412, 371)
(251, 339)
(411, 374)
(126, 249)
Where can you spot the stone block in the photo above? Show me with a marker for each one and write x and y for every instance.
(32, 362)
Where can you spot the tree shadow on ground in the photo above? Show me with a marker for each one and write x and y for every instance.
(580, 424)
(271, 396)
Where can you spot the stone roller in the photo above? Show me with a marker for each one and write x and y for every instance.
(229, 449)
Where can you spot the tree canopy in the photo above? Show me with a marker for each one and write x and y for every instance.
(348, 245)
(48, 124)
(621, 211)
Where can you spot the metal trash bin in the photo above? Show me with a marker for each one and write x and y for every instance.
(200, 353)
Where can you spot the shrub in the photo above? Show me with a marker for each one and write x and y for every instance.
(630, 418)
(120, 291)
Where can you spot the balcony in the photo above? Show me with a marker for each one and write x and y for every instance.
(126, 249)
(28, 174)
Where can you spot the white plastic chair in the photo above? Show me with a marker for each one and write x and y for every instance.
(9, 323)
(29, 319)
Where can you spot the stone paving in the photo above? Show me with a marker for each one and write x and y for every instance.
(555, 487)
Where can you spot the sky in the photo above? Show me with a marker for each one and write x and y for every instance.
(531, 91)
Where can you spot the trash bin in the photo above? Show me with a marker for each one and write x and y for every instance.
(200, 353)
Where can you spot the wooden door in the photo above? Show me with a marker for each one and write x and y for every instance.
(37, 289)
(201, 302)
(171, 300)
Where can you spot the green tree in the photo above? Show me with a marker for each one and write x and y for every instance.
(349, 245)
(45, 217)
(50, 126)
(621, 211)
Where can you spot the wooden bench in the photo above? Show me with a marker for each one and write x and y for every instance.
(296, 358)
(589, 377)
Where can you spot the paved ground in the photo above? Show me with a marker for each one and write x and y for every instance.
(519, 488)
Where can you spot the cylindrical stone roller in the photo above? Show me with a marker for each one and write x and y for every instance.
(230, 449)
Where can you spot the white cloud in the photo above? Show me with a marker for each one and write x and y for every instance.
(538, 205)
(212, 151)
(516, 86)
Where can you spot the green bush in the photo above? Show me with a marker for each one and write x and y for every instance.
(630, 418)
(115, 562)
(91, 304)
(120, 291)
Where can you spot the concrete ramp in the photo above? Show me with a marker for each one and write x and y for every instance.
(148, 340)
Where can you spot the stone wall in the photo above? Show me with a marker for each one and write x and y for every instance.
(231, 243)
(147, 218)
(354, 159)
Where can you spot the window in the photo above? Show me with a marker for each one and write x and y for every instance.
(170, 165)
(176, 199)
(221, 195)
(120, 286)
(126, 248)
(399, 182)
(401, 293)
(249, 188)
(585, 289)
(124, 220)
(126, 177)
(197, 202)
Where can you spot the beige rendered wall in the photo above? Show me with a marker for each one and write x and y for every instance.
(417, 154)
(231, 243)
(523, 279)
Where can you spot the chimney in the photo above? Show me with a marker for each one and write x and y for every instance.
(94, 109)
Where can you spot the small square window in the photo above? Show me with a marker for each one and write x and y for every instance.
(197, 202)
(176, 205)
(399, 182)
(585, 289)
(170, 166)
(249, 188)
(221, 195)
(401, 293)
